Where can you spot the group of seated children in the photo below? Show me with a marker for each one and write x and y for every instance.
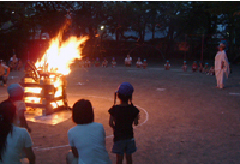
(140, 64)
(96, 63)
(195, 68)
(206, 69)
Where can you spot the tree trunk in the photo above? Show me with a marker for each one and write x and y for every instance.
(231, 36)
(144, 28)
(117, 34)
(91, 32)
(153, 22)
(170, 45)
(153, 31)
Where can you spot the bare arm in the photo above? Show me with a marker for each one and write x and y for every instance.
(74, 151)
(30, 155)
(111, 121)
(135, 121)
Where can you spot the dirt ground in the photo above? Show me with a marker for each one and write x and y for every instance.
(184, 118)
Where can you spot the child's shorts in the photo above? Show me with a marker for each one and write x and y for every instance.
(124, 146)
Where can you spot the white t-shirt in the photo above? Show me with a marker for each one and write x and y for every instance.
(89, 139)
(11, 59)
(16, 141)
(128, 60)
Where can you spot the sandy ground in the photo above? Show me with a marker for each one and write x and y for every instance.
(184, 118)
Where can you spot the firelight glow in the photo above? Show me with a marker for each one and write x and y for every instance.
(59, 56)
(33, 89)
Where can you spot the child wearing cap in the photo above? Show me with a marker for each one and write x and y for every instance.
(167, 65)
(97, 62)
(113, 62)
(145, 64)
(16, 93)
(184, 67)
(194, 66)
(121, 118)
(105, 62)
(206, 68)
(212, 70)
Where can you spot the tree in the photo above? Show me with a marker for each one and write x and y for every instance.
(228, 10)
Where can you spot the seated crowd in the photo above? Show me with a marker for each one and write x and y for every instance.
(16, 64)
(200, 68)
(86, 63)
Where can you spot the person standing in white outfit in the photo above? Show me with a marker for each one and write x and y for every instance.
(221, 67)
(14, 141)
(88, 138)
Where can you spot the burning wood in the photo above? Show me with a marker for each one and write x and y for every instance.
(44, 81)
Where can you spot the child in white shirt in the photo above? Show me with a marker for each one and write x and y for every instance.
(139, 63)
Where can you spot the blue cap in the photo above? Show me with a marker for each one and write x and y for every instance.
(126, 88)
(185, 62)
(167, 60)
(15, 91)
(113, 58)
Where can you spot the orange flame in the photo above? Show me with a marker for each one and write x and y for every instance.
(58, 57)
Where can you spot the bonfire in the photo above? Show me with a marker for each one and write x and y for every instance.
(45, 82)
